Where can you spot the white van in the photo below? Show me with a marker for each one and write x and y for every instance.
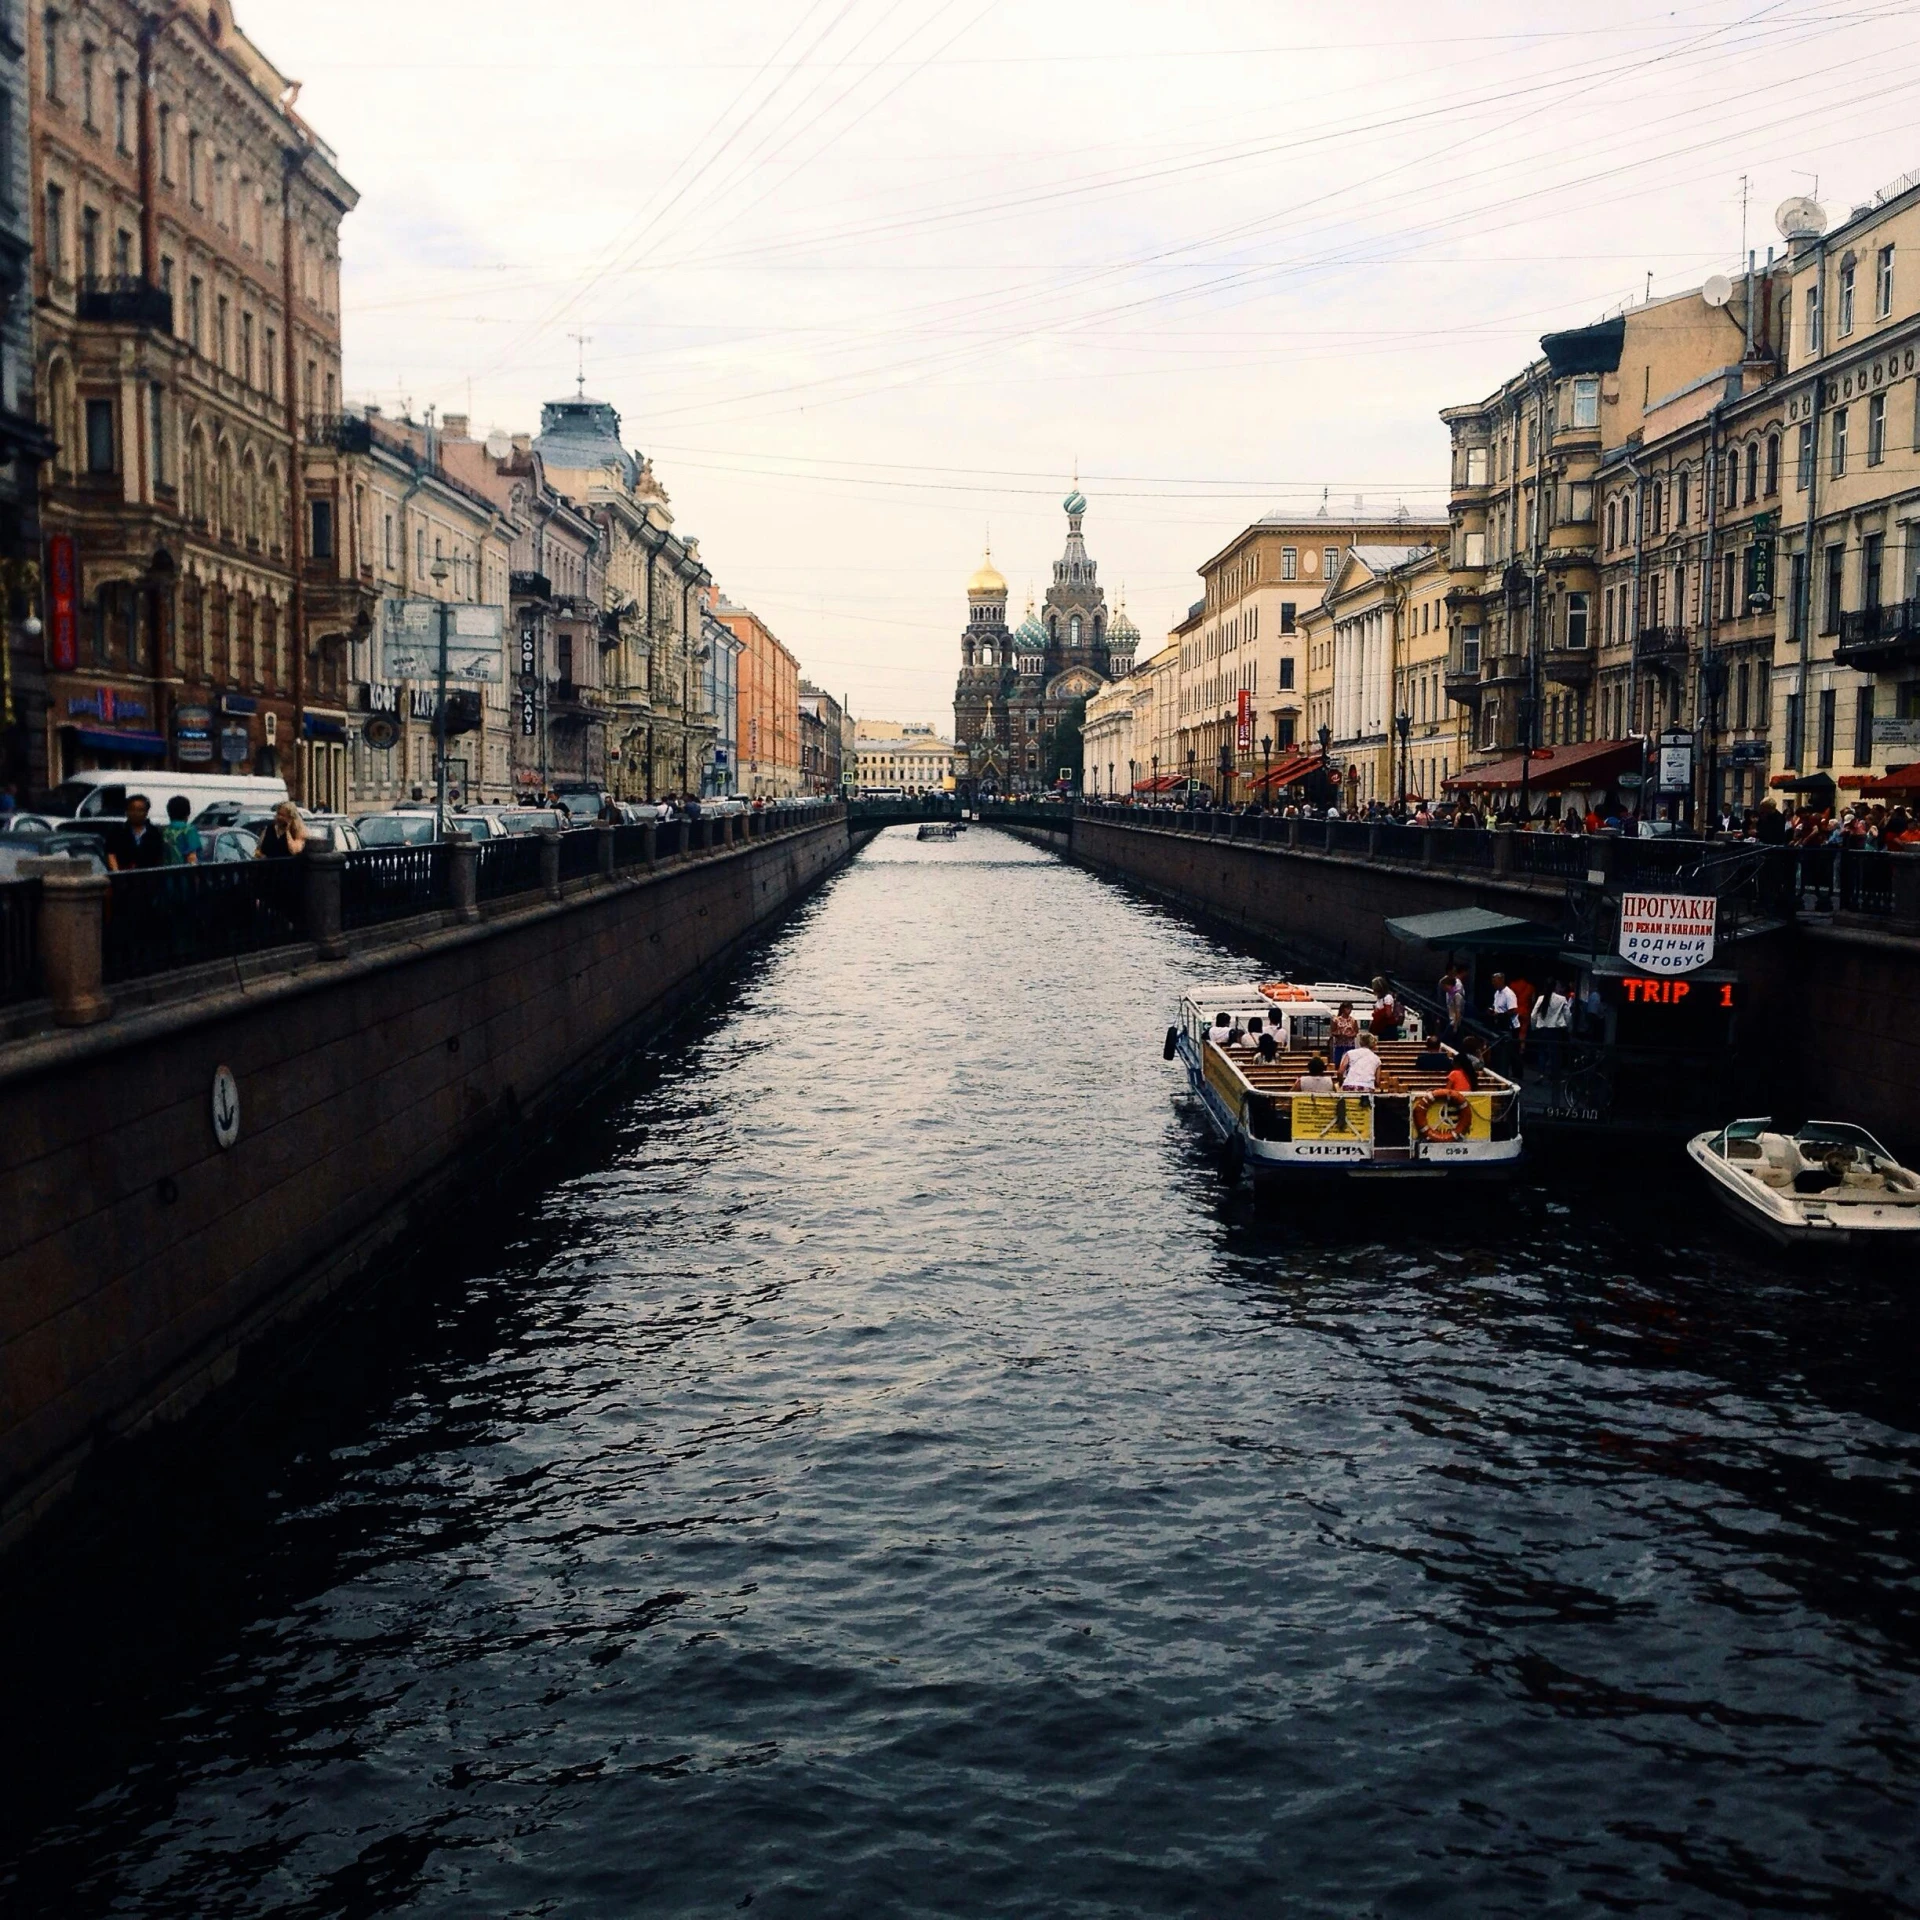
(103, 795)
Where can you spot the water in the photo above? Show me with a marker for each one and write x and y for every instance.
(882, 1470)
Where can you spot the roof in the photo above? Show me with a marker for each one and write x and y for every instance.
(583, 435)
(1385, 559)
(1593, 763)
(1586, 349)
(1462, 927)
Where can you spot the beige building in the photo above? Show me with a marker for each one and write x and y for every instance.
(1846, 660)
(1243, 637)
(913, 756)
(1131, 731)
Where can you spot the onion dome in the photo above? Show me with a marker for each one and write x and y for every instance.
(1075, 502)
(987, 579)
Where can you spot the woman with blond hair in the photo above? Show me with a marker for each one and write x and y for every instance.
(285, 836)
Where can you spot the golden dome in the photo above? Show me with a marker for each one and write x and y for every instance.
(986, 579)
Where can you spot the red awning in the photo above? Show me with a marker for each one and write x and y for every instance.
(1165, 784)
(1593, 763)
(1902, 780)
(1294, 768)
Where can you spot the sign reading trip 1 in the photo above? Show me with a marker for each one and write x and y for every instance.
(1667, 932)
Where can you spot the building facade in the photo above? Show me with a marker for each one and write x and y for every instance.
(1017, 686)
(767, 746)
(1242, 669)
(188, 322)
(824, 722)
(911, 756)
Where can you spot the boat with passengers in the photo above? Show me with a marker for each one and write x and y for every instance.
(1246, 1070)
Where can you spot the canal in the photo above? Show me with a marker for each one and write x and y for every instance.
(878, 1467)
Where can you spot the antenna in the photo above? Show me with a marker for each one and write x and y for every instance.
(581, 341)
(1743, 213)
(1646, 299)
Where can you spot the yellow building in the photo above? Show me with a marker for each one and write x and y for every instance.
(913, 756)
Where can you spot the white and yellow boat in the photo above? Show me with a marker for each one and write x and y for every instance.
(1410, 1125)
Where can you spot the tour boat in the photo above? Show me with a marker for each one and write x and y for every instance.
(1828, 1185)
(937, 830)
(1409, 1126)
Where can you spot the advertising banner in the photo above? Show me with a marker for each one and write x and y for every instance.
(193, 735)
(1667, 932)
(62, 603)
(410, 640)
(1244, 721)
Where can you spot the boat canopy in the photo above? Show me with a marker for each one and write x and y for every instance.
(1464, 928)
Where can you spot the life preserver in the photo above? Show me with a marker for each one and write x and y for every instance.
(1442, 1115)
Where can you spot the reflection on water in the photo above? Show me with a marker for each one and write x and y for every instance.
(880, 1468)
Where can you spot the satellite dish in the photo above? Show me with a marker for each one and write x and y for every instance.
(499, 444)
(1800, 218)
(1717, 291)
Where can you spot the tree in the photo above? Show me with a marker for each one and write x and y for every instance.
(1066, 746)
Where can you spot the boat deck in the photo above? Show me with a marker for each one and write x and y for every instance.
(1281, 1074)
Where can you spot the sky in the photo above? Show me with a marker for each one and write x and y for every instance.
(871, 280)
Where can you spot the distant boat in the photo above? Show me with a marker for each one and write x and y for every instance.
(937, 830)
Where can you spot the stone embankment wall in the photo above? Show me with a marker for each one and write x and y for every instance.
(138, 1257)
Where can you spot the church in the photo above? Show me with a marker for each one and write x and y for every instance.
(1017, 685)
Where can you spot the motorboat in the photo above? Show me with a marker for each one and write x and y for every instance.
(1246, 1047)
(936, 830)
(1830, 1184)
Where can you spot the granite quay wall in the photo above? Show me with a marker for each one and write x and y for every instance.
(140, 1256)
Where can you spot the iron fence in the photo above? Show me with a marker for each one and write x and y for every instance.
(393, 883)
(19, 929)
(580, 853)
(508, 865)
(162, 918)
(1866, 881)
(629, 845)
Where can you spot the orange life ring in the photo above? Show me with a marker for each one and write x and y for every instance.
(1442, 1116)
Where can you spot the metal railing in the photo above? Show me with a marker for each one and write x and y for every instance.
(160, 919)
(19, 929)
(580, 853)
(507, 865)
(393, 883)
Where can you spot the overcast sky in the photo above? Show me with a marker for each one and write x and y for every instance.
(866, 277)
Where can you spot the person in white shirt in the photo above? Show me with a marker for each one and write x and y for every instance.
(1552, 1016)
(1361, 1067)
(1506, 1023)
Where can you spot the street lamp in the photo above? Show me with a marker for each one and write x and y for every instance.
(1190, 760)
(438, 573)
(1403, 726)
(1266, 769)
(1109, 780)
(1225, 796)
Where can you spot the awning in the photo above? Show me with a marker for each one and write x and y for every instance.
(1470, 927)
(1294, 768)
(106, 740)
(1901, 780)
(1804, 783)
(1164, 784)
(1593, 763)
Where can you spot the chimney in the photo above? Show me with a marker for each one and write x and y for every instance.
(523, 443)
(454, 427)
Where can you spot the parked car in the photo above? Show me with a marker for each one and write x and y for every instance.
(21, 822)
(219, 846)
(102, 795)
(585, 804)
(398, 829)
(333, 830)
(641, 813)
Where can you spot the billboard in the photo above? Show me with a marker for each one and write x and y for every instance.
(1667, 932)
(410, 640)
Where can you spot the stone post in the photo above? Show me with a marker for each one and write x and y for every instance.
(73, 916)
(326, 874)
(463, 876)
(550, 861)
(651, 852)
(1603, 852)
(1373, 839)
(1428, 835)
(1906, 889)
(1293, 833)
(606, 850)
(1503, 850)
(1326, 840)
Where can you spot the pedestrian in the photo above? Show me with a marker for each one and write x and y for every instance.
(1453, 1002)
(1386, 1011)
(1360, 1070)
(1552, 1015)
(135, 842)
(182, 837)
(1346, 1030)
(1506, 1024)
(285, 835)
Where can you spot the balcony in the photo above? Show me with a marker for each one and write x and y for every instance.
(1879, 637)
(1568, 666)
(343, 432)
(1462, 677)
(1663, 647)
(529, 586)
(120, 300)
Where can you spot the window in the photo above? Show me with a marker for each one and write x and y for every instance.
(1611, 525)
(89, 243)
(1733, 478)
(1743, 696)
(1286, 673)
(1823, 752)
(1330, 561)
(271, 372)
(123, 254)
(53, 239)
(1657, 510)
(1580, 501)
(1790, 747)
(1469, 649)
(1473, 550)
(320, 522)
(222, 308)
(100, 449)
(1586, 401)
(1728, 585)
(1803, 466)
(1753, 473)
(120, 139)
(1797, 608)
(193, 166)
(1577, 620)
(157, 432)
(387, 551)
(164, 139)
(246, 348)
(196, 301)
(1846, 296)
(1773, 464)
(50, 52)
(1830, 605)
(1476, 466)
(166, 273)
(1876, 429)
(420, 552)
(89, 62)
(1872, 564)
(1286, 735)
(1839, 442)
(1863, 726)
(1813, 317)
(1883, 283)
(1683, 499)
(1287, 614)
(1289, 563)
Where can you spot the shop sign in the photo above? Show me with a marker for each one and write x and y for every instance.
(234, 744)
(1673, 765)
(381, 696)
(422, 703)
(193, 735)
(1667, 932)
(529, 712)
(62, 603)
(106, 706)
(1244, 721)
(1890, 732)
(382, 732)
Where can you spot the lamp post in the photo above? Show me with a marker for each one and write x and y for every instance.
(1133, 779)
(1713, 688)
(1156, 777)
(1266, 769)
(1526, 757)
(438, 574)
(1403, 726)
(1224, 798)
(1190, 760)
(1326, 759)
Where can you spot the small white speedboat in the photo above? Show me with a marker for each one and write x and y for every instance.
(1828, 1185)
